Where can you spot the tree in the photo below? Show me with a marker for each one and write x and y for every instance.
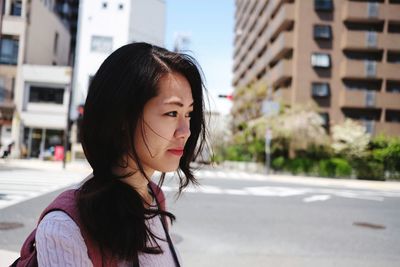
(350, 139)
(300, 126)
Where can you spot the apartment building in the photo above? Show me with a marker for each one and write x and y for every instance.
(35, 77)
(341, 55)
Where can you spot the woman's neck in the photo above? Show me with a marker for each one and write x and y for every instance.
(137, 180)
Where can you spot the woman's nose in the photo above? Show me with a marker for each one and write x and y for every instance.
(183, 129)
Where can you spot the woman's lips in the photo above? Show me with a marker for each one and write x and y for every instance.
(176, 152)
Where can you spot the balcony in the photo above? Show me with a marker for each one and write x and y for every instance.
(248, 38)
(362, 69)
(391, 71)
(388, 100)
(363, 40)
(360, 99)
(369, 11)
(13, 25)
(389, 128)
(370, 41)
(283, 19)
(392, 42)
(280, 73)
(368, 99)
(363, 11)
(280, 47)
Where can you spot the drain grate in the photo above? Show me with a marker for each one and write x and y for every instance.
(370, 225)
(10, 225)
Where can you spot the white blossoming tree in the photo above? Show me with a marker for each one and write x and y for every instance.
(301, 126)
(350, 138)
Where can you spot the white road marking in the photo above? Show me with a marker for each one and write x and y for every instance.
(20, 185)
(316, 198)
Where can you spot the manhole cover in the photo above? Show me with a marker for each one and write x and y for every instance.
(10, 225)
(369, 225)
(176, 239)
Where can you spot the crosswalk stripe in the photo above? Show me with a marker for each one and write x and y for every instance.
(20, 185)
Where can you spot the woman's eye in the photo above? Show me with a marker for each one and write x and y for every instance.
(189, 115)
(172, 113)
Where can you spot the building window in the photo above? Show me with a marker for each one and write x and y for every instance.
(373, 9)
(369, 126)
(323, 5)
(2, 89)
(320, 60)
(121, 6)
(38, 94)
(102, 44)
(322, 32)
(320, 90)
(8, 51)
(369, 98)
(371, 39)
(16, 8)
(370, 68)
(104, 5)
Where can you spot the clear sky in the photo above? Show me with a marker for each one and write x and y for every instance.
(209, 25)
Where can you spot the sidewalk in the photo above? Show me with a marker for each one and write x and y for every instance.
(313, 181)
(84, 168)
(36, 164)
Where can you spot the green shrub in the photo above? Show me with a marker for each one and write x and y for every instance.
(334, 167)
(326, 168)
(369, 169)
(278, 163)
(237, 153)
(300, 165)
(343, 167)
(386, 151)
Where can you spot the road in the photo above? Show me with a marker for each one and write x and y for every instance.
(238, 219)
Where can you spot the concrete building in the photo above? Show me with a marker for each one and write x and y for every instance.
(104, 26)
(36, 76)
(342, 55)
(67, 10)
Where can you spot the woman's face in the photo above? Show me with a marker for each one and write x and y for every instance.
(162, 133)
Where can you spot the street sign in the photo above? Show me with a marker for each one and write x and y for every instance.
(270, 108)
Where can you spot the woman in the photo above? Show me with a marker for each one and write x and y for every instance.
(143, 113)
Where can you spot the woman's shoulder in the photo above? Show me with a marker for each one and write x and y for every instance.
(56, 222)
(59, 238)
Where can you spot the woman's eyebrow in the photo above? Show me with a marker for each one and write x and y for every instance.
(176, 103)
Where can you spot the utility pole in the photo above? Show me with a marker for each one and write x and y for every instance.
(67, 131)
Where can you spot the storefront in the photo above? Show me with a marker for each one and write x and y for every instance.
(42, 143)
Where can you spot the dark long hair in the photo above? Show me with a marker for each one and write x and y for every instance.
(112, 211)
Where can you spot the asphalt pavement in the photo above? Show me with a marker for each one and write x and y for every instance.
(237, 218)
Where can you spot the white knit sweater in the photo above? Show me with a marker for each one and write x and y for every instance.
(59, 243)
